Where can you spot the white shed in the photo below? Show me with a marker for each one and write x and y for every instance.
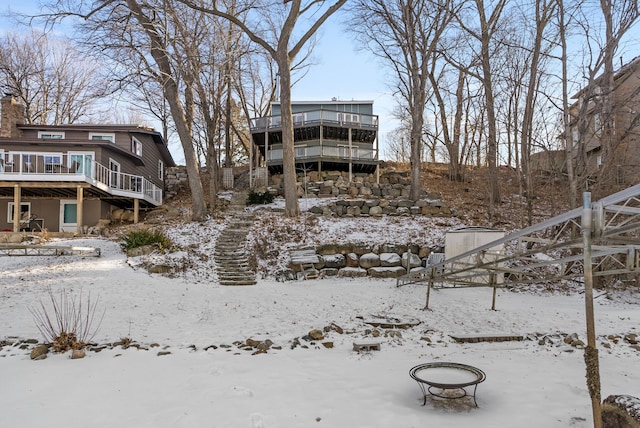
(463, 240)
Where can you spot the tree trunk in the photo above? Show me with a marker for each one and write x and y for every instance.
(171, 94)
(291, 206)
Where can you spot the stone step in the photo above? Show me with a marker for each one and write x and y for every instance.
(234, 266)
(237, 283)
(229, 257)
(237, 278)
(229, 253)
(488, 337)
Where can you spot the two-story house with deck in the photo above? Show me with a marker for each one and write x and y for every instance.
(66, 178)
(623, 167)
(328, 135)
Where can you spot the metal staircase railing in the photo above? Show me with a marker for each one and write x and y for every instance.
(549, 251)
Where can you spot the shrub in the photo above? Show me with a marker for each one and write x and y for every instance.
(256, 198)
(142, 237)
(68, 324)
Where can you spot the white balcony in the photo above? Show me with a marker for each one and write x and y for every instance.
(76, 167)
(313, 117)
(325, 151)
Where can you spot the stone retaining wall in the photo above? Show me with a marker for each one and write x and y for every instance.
(380, 207)
(383, 261)
(361, 197)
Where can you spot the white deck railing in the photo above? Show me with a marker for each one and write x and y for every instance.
(44, 166)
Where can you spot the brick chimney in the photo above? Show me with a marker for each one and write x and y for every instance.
(13, 113)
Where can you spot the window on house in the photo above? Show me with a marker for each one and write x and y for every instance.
(299, 118)
(52, 162)
(51, 135)
(28, 163)
(114, 174)
(99, 136)
(348, 117)
(160, 170)
(597, 124)
(25, 211)
(136, 146)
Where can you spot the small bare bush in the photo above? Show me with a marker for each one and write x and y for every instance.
(69, 322)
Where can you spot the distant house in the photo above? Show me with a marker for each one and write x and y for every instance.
(624, 165)
(329, 135)
(548, 162)
(66, 178)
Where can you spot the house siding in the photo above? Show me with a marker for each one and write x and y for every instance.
(49, 210)
(365, 107)
(623, 167)
(78, 140)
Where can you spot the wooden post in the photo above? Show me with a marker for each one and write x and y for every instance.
(590, 352)
(136, 210)
(251, 163)
(266, 147)
(429, 283)
(492, 280)
(377, 148)
(79, 211)
(350, 159)
(17, 199)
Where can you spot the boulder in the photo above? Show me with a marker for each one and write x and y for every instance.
(621, 411)
(352, 272)
(369, 260)
(386, 272)
(77, 354)
(334, 261)
(316, 334)
(160, 268)
(352, 260)
(328, 272)
(390, 259)
(142, 251)
(39, 352)
(411, 260)
(375, 211)
(10, 238)
(353, 211)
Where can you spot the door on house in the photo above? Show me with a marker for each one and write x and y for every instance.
(81, 163)
(114, 174)
(68, 215)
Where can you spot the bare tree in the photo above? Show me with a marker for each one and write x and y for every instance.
(137, 37)
(592, 119)
(283, 49)
(545, 10)
(145, 15)
(488, 24)
(55, 82)
(406, 35)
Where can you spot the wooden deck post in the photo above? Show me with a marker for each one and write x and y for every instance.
(79, 210)
(136, 210)
(350, 159)
(17, 193)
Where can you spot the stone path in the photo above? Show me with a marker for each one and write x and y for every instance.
(230, 254)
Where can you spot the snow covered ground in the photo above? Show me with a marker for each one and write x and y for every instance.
(190, 371)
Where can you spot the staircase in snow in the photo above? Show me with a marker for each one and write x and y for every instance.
(230, 254)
